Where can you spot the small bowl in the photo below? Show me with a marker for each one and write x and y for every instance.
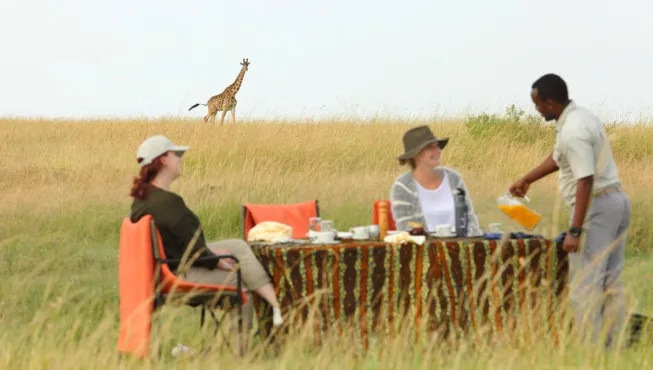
(417, 231)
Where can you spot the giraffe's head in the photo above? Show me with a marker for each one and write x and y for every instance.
(245, 63)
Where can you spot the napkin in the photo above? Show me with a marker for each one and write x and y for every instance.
(403, 237)
(270, 231)
(517, 235)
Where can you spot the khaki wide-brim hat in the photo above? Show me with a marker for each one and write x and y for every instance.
(416, 139)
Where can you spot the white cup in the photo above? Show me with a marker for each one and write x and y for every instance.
(360, 232)
(495, 227)
(443, 230)
(324, 237)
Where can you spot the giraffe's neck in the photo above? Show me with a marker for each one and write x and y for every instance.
(239, 80)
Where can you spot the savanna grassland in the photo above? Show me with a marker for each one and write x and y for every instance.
(64, 187)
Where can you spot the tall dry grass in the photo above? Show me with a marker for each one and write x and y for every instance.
(65, 187)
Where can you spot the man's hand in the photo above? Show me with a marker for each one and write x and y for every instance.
(570, 244)
(519, 188)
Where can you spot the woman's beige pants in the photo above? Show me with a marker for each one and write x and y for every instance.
(253, 274)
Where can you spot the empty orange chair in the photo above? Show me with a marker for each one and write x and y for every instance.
(295, 215)
(375, 215)
(145, 281)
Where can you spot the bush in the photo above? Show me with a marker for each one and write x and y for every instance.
(515, 125)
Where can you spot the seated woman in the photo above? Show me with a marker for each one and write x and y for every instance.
(180, 229)
(425, 194)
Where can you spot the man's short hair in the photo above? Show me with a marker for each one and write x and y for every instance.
(551, 86)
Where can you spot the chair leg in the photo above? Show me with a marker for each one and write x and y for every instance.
(216, 321)
(155, 332)
(239, 302)
(218, 325)
(240, 326)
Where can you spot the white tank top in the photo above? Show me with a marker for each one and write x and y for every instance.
(437, 205)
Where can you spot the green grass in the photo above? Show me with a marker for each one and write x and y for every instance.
(65, 187)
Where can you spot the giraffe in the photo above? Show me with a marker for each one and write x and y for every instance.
(226, 100)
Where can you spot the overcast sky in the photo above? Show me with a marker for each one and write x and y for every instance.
(76, 58)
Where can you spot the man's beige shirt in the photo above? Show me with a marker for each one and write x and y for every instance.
(582, 149)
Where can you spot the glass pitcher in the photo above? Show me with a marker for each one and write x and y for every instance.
(518, 211)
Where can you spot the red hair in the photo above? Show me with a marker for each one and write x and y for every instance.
(142, 182)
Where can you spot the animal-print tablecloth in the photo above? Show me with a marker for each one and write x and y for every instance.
(449, 285)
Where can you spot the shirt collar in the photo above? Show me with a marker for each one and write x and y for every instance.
(561, 120)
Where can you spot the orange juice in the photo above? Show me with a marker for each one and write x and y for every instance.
(521, 214)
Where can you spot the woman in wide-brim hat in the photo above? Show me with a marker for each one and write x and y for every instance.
(425, 194)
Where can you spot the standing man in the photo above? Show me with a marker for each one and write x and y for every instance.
(600, 210)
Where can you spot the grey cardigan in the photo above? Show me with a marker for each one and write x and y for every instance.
(405, 206)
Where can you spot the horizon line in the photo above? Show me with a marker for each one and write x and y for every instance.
(378, 118)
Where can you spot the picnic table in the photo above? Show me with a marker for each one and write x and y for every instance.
(449, 285)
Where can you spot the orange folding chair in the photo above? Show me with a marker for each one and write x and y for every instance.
(146, 283)
(295, 215)
(375, 215)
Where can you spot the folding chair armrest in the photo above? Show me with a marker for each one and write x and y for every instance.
(218, 257)
(215, 258)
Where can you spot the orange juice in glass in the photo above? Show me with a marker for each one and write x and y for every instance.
(518, 212)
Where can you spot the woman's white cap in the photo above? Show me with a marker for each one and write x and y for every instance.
(155, 146)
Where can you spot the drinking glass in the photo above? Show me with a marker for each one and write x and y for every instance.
(327, 225)
(314, 224)
(495, 227)
(374, 232)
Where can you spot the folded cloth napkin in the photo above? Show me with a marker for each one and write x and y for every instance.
(517, 235)
(521, 235)
(270, 231)
(403, 237)
(492, 236)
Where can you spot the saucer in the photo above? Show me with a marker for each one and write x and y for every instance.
(325, 242)
(345, 235)
(434, 235)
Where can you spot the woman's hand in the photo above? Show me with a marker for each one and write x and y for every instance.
(224, 263)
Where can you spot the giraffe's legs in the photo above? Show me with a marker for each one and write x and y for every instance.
(233, 115)
(224, 113)
(210, 116)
